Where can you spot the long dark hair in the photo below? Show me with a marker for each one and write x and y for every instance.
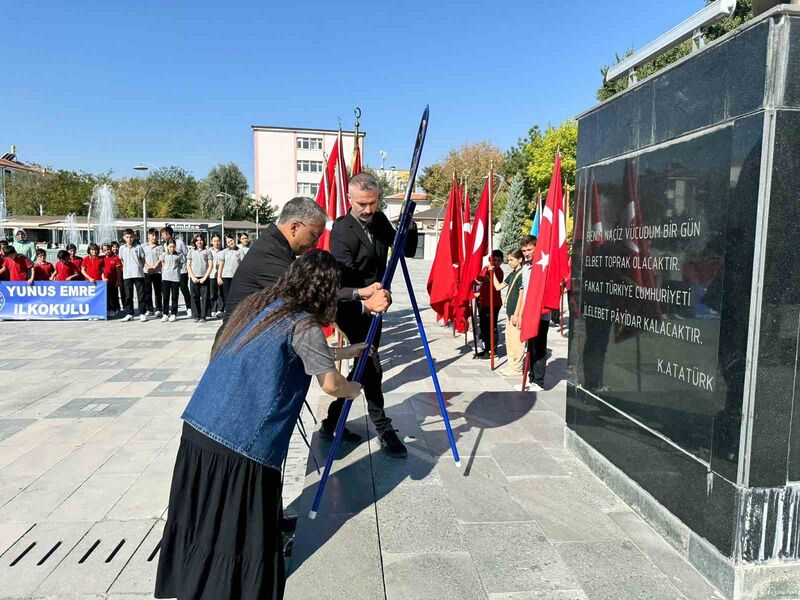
(311, 285)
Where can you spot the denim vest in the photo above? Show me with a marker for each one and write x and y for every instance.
(249, 399)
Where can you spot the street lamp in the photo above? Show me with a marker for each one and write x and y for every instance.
(222, 196)
(144, 167)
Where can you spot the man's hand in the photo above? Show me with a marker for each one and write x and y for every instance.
(367, 292)
(514, 321)
(352, 351)
(379, 301)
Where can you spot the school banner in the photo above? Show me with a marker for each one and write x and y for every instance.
(52, 300)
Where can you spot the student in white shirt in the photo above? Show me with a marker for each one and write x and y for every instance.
(132, 257)
(229, 261)
(199, 264)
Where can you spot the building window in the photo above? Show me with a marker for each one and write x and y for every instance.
(309, 166)
(309, 143)
(307, 189)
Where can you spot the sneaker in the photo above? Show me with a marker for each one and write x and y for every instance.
(535, 387)
(326, 433)
(143, 318)
(172, 318)
(149, 313)
(520, 388)
(197, 320)
(188, 312)
(127, 318)
(204, 320)
(391, 444)
(164, 319)
(159, 314)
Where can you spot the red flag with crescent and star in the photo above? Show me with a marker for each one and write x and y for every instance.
(550, 266)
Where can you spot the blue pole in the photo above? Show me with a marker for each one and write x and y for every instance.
(431, 365)
(397, 251)
(398, 248)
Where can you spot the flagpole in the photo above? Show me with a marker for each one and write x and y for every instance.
(491, 271)
(563, 283)
(461, 242)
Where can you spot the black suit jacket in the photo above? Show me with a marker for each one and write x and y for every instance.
(363, 262)
(268, 259)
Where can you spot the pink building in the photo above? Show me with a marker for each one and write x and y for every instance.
(289, 162)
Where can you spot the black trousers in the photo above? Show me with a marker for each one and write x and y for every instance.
(216, 304)
(152, 291)
(169, 296)
(483, 316)
(538, 353)
(184, 285)
(201, 299)
(112, 296)
(226, 290)
(371, 382)
(138, 283)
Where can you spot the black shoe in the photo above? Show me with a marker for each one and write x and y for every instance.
(326, 433)
(288, 524)
(392, 445)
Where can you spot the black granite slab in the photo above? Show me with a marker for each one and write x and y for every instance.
(780, 317)
(791, 96)
(722, 83)
(677, 481)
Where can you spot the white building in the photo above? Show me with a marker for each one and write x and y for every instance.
(289, 162)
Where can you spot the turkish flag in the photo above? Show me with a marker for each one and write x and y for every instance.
(355, 165)
(550, 265)
(466, 225)
(444, 276)
(476, 250)
(332, 192)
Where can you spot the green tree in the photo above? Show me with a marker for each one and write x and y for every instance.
(542, 152)
(517, 159)
(267, 210)
(225, 178)
(514, 215)
(129, 193)
(471, 161)
(59, 192)
(742, 14)
(174, 193)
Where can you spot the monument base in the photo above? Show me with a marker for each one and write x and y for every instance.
(739, 581)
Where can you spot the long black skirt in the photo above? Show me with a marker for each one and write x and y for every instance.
(222, 539)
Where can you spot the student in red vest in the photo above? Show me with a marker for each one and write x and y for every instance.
(495, 267)
(111, 265)
(42, 270)
(92, 266)
(65, 268)
(75, 260)
(18, 267)
(3, 247)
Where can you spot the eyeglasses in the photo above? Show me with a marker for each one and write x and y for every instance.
(315, 235)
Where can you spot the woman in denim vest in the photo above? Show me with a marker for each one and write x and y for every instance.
(222, 538)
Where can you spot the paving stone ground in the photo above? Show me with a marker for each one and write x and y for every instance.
(89, 428)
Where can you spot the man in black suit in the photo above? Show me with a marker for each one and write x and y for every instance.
(300, 225)
(360, 243)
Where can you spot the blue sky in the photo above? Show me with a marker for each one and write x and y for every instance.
(96, 85)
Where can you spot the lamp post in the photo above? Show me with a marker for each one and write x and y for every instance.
(222, 196)
(143, 166)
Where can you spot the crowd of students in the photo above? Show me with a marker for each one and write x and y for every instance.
(156, 272)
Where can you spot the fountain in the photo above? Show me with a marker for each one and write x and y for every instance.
(104, 199)
(71, 233)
